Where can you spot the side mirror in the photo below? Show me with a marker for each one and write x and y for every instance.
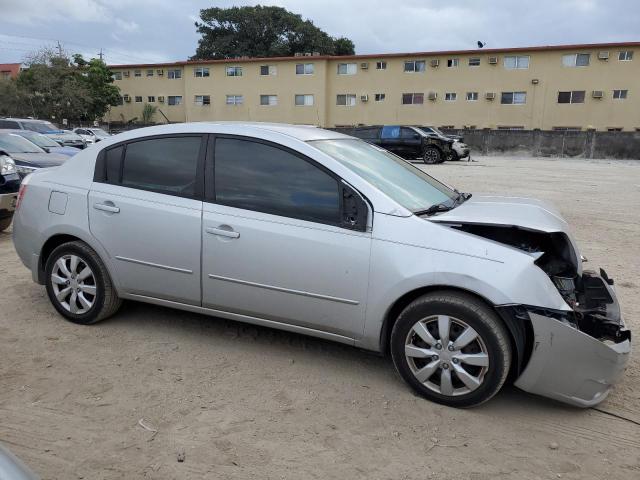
(354, 211)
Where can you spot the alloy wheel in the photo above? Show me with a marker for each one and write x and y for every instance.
(446, 355)
(74, 284)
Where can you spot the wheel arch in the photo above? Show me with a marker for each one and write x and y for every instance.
(520, 329)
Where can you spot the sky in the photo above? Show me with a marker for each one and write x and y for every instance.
(137, 31)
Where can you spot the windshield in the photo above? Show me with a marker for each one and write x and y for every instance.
(99, 132)
(41, 127)
(397, 178)
(37, 138)
(13, 143)
(431, 130)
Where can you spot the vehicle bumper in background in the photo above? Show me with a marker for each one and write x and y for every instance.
(8, 202)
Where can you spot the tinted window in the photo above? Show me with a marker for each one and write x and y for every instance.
(258, 177)
(167, 165)
(390, 132)
(113, 159)
(368, 133)
(407, 133)
(8, 124)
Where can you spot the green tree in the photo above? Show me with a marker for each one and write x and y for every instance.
(261, 31)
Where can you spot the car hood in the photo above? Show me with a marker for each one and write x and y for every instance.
(39, 160)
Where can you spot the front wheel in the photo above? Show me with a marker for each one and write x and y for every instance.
(431, 155)
(451, 348)
(78, 284)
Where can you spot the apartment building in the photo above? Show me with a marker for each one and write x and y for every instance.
(564, 87)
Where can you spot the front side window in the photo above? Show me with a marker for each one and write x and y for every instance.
(174, 74)
(233, 71)
(450, 96)
(200, 72)
(472, 96)
(262, 178)
(576, 60)
(165, 165)
(347, 68)
(346, 100)
(414, 66)
(620, 94)
(513, 98)
(575, 96)
(304, 69)
(474, 62)
(202, 100)
(412, 98)
(625, 56)
(268, 100)
(235, 100)
(304, 100)
(397, 178)
(516, 62)
(174, 100)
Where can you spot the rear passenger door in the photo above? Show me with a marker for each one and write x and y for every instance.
(390, 139)
(145, 208)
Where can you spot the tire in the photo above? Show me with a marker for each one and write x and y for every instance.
(94, 298)
(453, 156)
(432, 155)
(5, 222)
(477, 369)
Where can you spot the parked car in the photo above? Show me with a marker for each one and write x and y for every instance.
(28, 157)
(405, 141)
(91, 135)
(316, 232)
(44, 142)
(459, 149)
(12, 468)
(65, 138)
(9, 184)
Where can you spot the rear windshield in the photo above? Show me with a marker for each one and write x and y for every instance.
(41, 127)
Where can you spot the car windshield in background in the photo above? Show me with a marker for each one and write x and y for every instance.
(40, 140)
(401, 181)
(41, 127)
(13, 143)
(99, 132)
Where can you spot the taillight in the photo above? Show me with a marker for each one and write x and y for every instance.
(21, 192)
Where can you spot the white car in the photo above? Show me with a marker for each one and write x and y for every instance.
(91, 135)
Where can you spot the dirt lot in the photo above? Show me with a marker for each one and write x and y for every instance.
(245, 402)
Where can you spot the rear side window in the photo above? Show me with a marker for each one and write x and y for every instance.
(391, 131)
(165, 165)
(9, 124)
(262, 178)
(368, 133)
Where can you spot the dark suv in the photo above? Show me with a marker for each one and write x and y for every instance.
(405, 141)
(9, 185)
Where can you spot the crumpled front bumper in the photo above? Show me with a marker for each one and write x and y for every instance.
(571, 366)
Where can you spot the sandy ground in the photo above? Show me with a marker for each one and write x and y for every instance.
(245, 402)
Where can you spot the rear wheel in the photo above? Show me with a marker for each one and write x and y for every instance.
(5, 222)
(78, 284)
(451, 349)
(431, 155)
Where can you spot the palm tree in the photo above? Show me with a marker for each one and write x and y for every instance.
(148, 112)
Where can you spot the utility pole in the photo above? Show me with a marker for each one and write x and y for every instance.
(100, 54)
(59, 49)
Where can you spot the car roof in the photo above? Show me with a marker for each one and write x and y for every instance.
(18, 131)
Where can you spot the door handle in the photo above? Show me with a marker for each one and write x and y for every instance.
(106, 207)
(221, 232)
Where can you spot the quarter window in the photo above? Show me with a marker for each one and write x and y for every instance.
(304, 100)
(174, 100)
(347, 68)
(346, 100)
(174, 74)
(233, 71)
(200, 72)
(165, 165)
(472, 96)
(576, 59)
(268, 100)
(620, 94)
(513, 98)
(412, 98)
(414, 66)
(575, 96)
(304, 69)
(516, 62)
(625, 56)
(113, 158)
(258, 177)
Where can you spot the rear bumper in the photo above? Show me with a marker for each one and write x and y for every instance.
(7, 203)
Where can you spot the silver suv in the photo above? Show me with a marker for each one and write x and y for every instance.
(319, 233)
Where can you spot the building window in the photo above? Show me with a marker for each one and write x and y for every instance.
(304, 100)
(304, 69)
(347, 68)
(516, 62)
(120, 100)
(138, 99)
(450, 96)
(453, 62)
(576, 59)
(117, 75)
(412, 98)
(174, 100)
(614, 129)
(266, 70)
(620, 94)
(625, 56)
(125, 74)
(576, 96)
(233, 71)
(514, 98)
(346, 100)
(472, 96)
(379, 97)
(474, 62)
(202, 100)
(200, 72)
(151, 99)
(150, 72)
(413, 66)
(235, 99)
(268, 100)
(381, 65)
(174, 74)
(137, 73)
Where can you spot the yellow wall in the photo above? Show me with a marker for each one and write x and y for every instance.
(540, 111)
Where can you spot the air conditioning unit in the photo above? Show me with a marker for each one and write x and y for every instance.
(297, 54)
(603, 55)
(126, 98)
(493, 60)
(316, 54)
(308, 54)
(489, 95)
(160, 72)
(161, 99)
(364, 97)
(364, 65)
(432, 96)
(125, 73)
(597, 94)
(435, 62)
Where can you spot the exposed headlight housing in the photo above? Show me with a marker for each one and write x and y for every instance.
(7, 165)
